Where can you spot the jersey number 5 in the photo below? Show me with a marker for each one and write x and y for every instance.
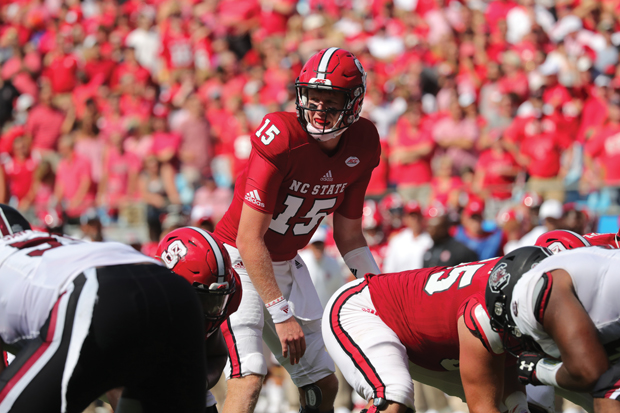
(437, 282)
(270, 134)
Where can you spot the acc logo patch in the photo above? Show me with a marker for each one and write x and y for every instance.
(352, 161)
(175, 251)
(499, 278)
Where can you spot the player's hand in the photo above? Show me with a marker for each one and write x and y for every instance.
(292, 339)
(526, 365)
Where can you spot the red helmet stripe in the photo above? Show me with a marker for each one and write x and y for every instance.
(5, 227)
(221, 267)
(324, 62)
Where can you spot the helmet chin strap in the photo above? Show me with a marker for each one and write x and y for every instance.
(323, 135)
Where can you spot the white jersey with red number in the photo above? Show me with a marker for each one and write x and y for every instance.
(594, 274)
(36, 268)
(290, 177)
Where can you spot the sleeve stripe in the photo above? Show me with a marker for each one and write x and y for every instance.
(484, 325)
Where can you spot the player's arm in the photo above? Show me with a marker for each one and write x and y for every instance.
(583, 357)
(482, 373)
(353, 247)
(253, 225)
(217, 353)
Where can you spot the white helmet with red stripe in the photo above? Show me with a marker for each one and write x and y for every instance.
(11, 221)
(336, 70)
(197, 256)
(561, 240)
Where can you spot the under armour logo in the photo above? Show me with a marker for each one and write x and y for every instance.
(528, 366)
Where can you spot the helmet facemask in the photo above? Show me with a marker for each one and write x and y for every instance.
(215, 299)
(346, 117)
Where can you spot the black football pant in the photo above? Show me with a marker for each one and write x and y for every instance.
(134, 326)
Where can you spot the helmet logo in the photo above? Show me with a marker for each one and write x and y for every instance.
(499, 278)
(175, 251)
(352, 161)
(556, 247)
(515, 309)
(321, 81)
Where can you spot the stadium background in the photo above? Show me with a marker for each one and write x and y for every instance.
(124, 120)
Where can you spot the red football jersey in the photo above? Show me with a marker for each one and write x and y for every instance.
(290, 177)
(423, 306)
(604, 239)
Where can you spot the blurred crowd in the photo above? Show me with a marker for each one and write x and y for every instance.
(117, 112)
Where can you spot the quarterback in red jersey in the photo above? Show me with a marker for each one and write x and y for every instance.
(303, 167)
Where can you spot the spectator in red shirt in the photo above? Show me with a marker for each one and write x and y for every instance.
(19, 168)
(602, 151)
(540, 151)
(73, 186)
(62, 66)
(196, 149)
(45, 123)
(456, 135)
(119, 185)
(445, 186)
(98, 67)
(411, 152)
(129, 67)
(495, 175)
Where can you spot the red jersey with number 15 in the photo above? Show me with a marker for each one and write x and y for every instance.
(290, 177)
(423, 307)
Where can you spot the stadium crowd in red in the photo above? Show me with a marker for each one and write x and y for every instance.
(104, 104)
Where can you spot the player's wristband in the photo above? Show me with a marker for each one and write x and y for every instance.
(279, 310)
(546, 370)
(361, 262)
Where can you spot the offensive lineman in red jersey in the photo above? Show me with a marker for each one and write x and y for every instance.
(434, 317)
(303, 167)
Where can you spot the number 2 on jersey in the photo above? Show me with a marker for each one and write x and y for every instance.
(437, 284)
(270, 134)
(293, 204)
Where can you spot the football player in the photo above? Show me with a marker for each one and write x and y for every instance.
(563, 312)
(83, 318)
(303, 167)
(201, 259)
(433, 317)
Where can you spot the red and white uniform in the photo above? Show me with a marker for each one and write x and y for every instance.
(289, 176)
(371, 326)
(309, 184)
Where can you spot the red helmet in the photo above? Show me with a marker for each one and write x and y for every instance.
(331, 69)
(561, 240)
(197, 256)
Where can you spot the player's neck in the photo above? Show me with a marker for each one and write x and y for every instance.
(331, 146)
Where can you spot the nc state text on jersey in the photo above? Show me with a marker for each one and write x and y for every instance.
(303, 188)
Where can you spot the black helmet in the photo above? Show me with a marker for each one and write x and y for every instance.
(502, 281)
(11, 221)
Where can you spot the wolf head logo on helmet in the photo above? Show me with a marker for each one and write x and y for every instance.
(334, 70)
(197, 256)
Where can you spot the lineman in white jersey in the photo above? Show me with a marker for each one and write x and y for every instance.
(83, 318)
(564, 312)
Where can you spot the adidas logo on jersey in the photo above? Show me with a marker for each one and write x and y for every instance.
(253, 197)
(328, 176)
